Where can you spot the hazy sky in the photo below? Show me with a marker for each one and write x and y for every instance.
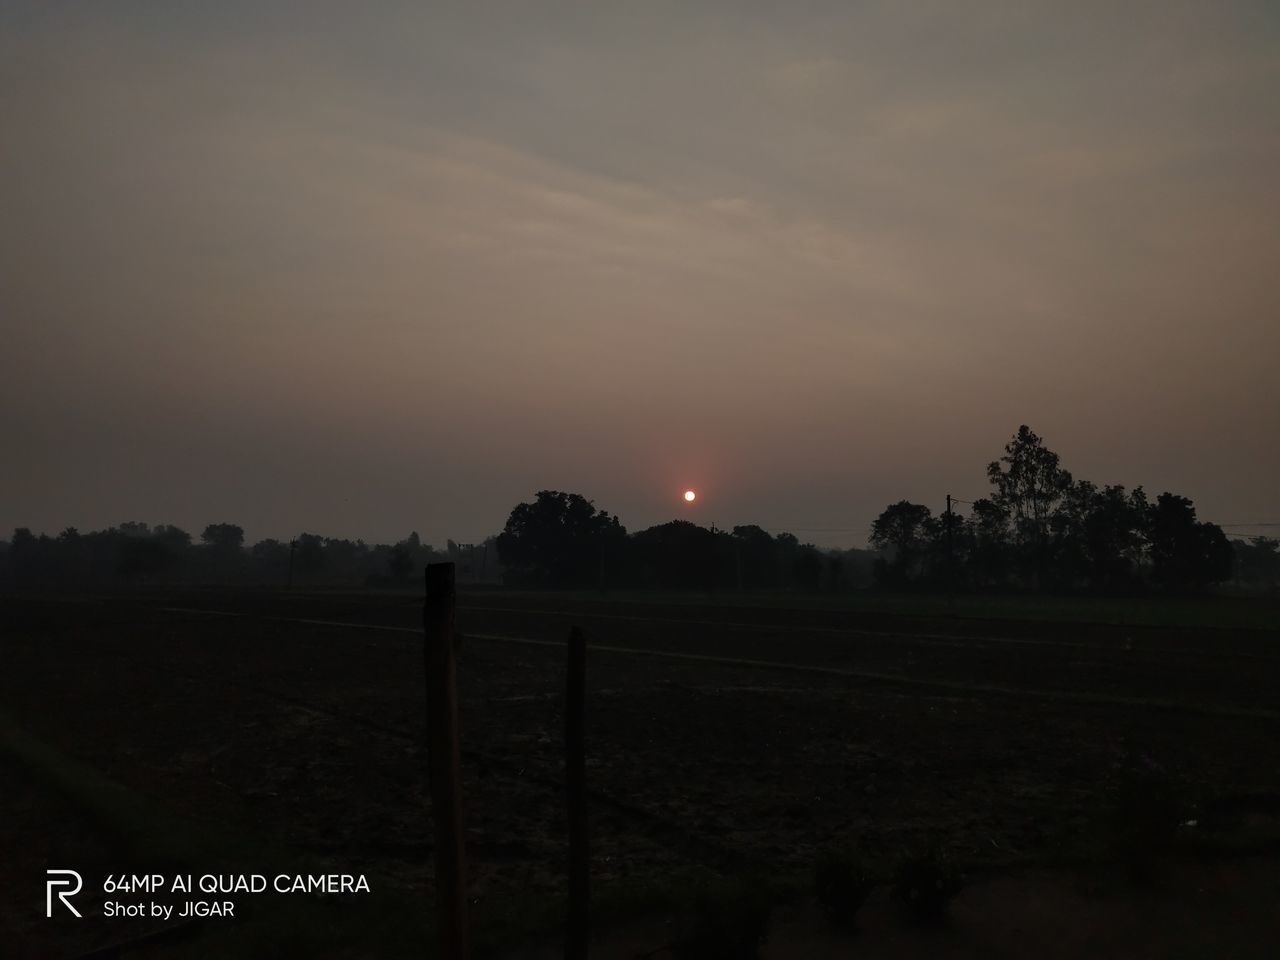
(359, 269)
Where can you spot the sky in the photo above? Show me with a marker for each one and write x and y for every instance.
(359, 269)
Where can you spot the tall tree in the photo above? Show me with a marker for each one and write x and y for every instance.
(1029, 482)
(989, 550)
(224, 548)
(901, 531)
(1115, 536)
(1186, 554)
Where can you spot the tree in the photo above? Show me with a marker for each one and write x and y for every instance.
(270, 560)
(224, 537)
(1186, 554)
(344, 559)
(754, 558)
(223, 546)
(143, 558)
(309, 555)
(806, 568)
(1258, 561)
(900, 531)
(680, 555)
(1029, 483)
(947, 543)
(175, 538)
(31, 558)
(1114, 536)
(559, 540)
(988, 530)
(400, 562)
(176, 544)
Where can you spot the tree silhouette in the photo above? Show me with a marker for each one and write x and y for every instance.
(144, 558)
(400, 562)
(1258, 561)
(1100, 535)
(1029, 483)
(1185, 553)
(224, 546)
(222, 536)
(900, 530)
(755, 558)
(988, 530)
(559, 540)
(309, 556)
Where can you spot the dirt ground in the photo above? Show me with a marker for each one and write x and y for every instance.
(1198, 910)
(720, 742)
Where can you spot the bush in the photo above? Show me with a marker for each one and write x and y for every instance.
(927, 882)
(841, 884)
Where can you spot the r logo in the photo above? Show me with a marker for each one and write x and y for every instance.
(62, 881)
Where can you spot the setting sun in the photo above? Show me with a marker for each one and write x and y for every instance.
(690, 496)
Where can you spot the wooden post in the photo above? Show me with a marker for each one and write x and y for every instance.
(444, 762)
(578, 932)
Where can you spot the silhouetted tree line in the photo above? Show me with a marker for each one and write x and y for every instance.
(561, 540)
(134, 554)
(1039, 529)
(1042, 529)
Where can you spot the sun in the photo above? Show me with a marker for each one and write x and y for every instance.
(690, 496)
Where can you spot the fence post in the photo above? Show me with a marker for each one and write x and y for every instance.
(444, 762)
(578, 932)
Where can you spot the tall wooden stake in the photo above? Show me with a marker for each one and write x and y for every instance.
(444, 762)
(578, 932)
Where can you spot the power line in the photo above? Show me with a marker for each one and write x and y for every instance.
(788, 529)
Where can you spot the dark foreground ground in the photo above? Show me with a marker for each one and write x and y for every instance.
(240, 733)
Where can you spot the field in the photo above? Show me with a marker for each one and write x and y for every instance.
(243, 732)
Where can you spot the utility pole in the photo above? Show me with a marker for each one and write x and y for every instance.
(951, 557)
